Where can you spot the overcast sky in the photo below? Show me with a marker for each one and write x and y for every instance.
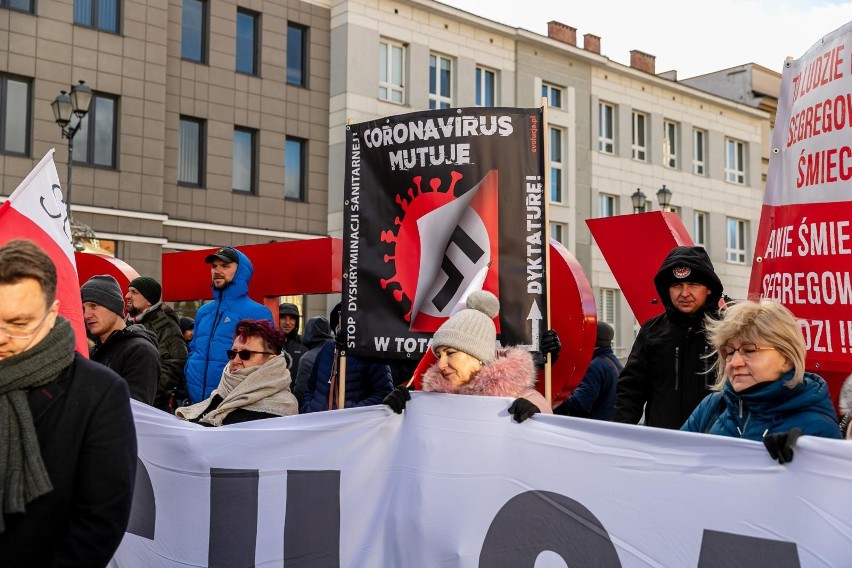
(682, 35)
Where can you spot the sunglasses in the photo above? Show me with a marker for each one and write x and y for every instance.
(245, 354)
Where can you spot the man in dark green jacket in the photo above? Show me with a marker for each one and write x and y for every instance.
(145, 307)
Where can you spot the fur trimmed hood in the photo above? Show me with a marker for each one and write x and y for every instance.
(511, 374)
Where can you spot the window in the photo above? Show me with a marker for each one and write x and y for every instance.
(734, 161)
(699, 229)
(391, 75)
(606, 128)
(640, 136)
(699, 150)
(608, 304)
(193, 31)
(22, 5)
(670, 144)
(297, 55)
(736, 240)
(94, 143)
(14, 115)
(557, 232)
(486, 85)
(294, 168)
(247, 42)
(552, 94)
(100, 14)
(606, 205)
(245, 160)
(556, 165)
(440, 82)
(191, 151)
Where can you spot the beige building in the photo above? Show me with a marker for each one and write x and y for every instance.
(220, 122)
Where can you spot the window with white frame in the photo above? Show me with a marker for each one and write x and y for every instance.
(734, 161)
(391, 71)
(556, 193)
(670, 129)
(558, 232)
(699, 152)
(606, 205)
(606, 128)
(553, 95)
(737, 234)
(486, 87)
(608, 304)
(640, 136)
(440, 81)
(699, 229)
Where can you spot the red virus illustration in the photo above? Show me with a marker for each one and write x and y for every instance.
(406, 240)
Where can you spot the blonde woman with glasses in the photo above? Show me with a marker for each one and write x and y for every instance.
(762, 389)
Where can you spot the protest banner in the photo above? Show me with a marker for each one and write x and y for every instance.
(437, 204)
(804, 243)
(453, 481)
(36, 211)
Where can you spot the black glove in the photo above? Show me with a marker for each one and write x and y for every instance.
(397, 398)
(780, 445)
(550, 344)
(521, 409)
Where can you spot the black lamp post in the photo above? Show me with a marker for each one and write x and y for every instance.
(664, 196)
(65, 106)
(638, 199)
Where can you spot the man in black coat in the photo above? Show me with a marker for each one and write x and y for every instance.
(64, 416)
(288, 323)
(668, 371)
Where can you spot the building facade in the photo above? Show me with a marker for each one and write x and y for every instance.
(223, 122)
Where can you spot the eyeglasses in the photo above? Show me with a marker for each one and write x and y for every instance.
(245, 354)
(21, 332)
(747, 351)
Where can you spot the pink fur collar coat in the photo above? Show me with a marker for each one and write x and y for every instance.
(512, 374)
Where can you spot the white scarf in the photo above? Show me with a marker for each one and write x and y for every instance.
(265, 388)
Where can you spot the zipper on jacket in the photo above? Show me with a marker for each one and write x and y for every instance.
(209, 344)
(677, 368)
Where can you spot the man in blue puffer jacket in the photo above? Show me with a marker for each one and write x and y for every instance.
(215, 322)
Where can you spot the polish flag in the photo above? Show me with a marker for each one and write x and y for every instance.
(36, 211)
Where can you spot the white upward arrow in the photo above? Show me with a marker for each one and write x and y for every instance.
(535, 317)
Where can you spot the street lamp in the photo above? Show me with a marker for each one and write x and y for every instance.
(76, 103)
(664, 196)
(638, 199)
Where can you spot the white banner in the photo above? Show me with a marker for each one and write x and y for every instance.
(454, 482)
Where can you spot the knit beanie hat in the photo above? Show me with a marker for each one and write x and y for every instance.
(104, 291)
(472, 330)
(186, 323)
(605, 335)
(148, 287)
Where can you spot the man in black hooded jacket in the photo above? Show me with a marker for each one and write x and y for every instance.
(668, 371)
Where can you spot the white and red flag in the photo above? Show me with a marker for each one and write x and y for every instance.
(36, 211)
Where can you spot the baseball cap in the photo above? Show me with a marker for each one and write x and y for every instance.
(225, 254)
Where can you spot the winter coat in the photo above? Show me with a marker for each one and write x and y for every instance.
(317, 334)
(767, 408)
(87, 438)
(215, 323)
(132, 352)
(594, 397)
(668, 371)
(367, 383)
(512, 374)
(173, 352)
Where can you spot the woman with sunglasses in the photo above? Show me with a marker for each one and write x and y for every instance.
(255, 383)
(764, 392)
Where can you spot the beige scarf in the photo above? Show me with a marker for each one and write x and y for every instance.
(265, 388)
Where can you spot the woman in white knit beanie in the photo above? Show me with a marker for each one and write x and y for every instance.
(469, 362)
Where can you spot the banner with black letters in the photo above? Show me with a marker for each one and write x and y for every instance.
(438, 204)
(453, 481)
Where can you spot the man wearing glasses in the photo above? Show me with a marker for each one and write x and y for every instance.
(67, 439)
(668, 371)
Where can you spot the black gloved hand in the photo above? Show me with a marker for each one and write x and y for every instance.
(521, 409)
(550, 344)
(397, 398)
(781, 445)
